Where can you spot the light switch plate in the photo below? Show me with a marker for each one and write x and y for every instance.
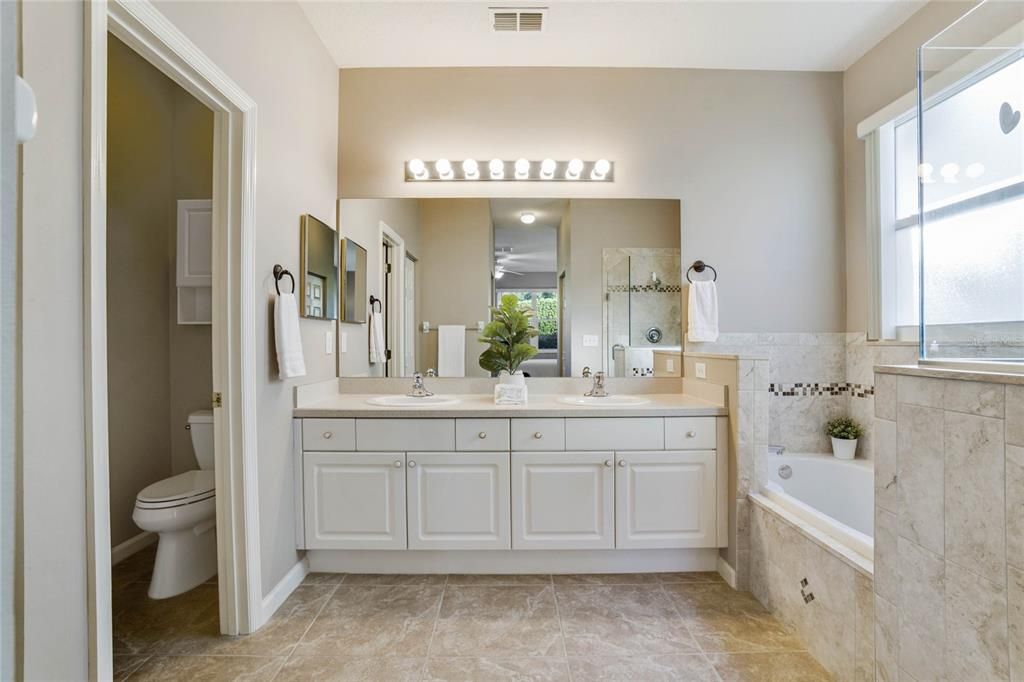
(329, 342)
(701, 369)
(670, 365)
(344, 342)
(591, 341)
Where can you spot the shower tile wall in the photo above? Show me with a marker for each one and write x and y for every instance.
(655, 305)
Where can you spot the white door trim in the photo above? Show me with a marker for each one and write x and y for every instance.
(398, 297)
(151, 35)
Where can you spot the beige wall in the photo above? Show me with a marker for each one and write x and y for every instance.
(884, 74)
(160, 150)
(754, 156)
(597, 224)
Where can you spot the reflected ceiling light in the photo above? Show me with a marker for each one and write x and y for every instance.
(547, 169)
(949, 171)
(924, 171)
(497, 168)
(418, 169)
(444, 169)
(600, 170)
(498, 273)
(522, 169)
(573, 170)
(528, 218)
(975, 170)
(470, 169)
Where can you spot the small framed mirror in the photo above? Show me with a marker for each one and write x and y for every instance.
(319, 249)
(353, 282)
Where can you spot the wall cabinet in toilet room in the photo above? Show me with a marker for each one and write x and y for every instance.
(510, 484)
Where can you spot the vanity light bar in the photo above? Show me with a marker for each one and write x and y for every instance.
(519, 170)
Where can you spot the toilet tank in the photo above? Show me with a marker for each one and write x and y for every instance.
(200, 424)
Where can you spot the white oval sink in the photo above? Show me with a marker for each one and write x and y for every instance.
(410, 401)
(606, 401)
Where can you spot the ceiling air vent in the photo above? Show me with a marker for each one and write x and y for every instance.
(518, 19)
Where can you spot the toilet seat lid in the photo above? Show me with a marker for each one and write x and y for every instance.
(181, 487)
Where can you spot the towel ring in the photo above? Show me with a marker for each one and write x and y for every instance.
(280, 272)
(374, 301)
(698, 267)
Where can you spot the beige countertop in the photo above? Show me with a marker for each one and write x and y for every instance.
(469, 406)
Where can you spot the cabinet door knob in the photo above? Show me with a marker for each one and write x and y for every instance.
(538, 435)
(328, 435)
(622, 462)
(607, 462)
(412, 464)
(482, 434)
(691, 434)
(398, 464)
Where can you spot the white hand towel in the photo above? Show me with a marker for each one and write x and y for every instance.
(378, 350)
(702, 312)
(287, 338)
(451, 350)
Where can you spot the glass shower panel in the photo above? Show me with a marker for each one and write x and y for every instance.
(970, 202)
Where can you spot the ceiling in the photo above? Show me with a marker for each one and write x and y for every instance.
(534, 247)
(813, 35)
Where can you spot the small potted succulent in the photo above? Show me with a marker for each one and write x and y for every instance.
(508, 337)
(844, 433)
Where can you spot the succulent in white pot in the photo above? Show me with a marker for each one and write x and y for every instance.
(508, 337)
(844, 433)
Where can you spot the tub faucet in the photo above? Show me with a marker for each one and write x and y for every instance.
(418, 389)
(776, 449)
(598, 391)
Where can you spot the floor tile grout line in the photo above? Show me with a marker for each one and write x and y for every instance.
(309, 627)
(433, 630)
(561, 627)
(679, 615)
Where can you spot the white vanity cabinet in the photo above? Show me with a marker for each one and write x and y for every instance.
(575, 483)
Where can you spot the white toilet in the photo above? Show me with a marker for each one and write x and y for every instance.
(182, 509)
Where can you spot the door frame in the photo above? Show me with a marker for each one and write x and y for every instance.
(397, 292)
(149, 33)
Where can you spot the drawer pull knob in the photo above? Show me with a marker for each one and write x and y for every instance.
(412, 464)
(482, 434)
(328, 435)
(398, 464)
(691, 434)
(607, 462)
(538, 435)
(622, 462)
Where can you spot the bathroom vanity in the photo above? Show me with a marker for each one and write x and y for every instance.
(471, 477)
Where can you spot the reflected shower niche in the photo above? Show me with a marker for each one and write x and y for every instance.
(643, 311)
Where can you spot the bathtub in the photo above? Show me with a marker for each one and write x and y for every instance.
(832, 496)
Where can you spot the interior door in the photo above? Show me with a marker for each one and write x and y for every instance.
(665, 499)
(354, 500)
(563, 500)
(458, 500)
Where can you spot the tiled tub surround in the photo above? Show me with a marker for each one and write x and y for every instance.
(949, 525)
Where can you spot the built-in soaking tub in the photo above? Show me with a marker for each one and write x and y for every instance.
(823, 495)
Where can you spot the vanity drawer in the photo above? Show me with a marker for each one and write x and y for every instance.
(538, 434)
(422, 435)
(615, 433)
(690, 433)
(481, 435)
(326, 435)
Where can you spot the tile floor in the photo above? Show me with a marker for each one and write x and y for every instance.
(668, 626)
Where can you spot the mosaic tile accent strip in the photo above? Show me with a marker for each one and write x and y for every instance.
(643, 288)
(815, 389)
(643, 371)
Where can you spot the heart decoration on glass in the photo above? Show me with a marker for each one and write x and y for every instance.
(1008, 118)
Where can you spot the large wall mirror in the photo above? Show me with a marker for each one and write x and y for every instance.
(318, 245)
(601, 276)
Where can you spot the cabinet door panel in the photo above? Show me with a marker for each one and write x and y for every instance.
(458, 500)
(665, 499)
(354, 500)
(563, 500)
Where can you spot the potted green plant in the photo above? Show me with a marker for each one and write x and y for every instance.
(844, 433)
(508, 336)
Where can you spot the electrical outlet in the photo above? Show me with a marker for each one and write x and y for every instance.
(701, 369)
(344, 342)
(329, 342)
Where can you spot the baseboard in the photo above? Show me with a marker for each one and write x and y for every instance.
(131, 546)
(727, 572)
(292, 579)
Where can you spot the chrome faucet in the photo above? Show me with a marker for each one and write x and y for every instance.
(418, 389)
(598, 391)
(586, 372)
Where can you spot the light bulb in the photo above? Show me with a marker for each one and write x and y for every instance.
(924, 171)
(547, 169)
(573, 170)
(418, 169)
(470, 169)
(444, 169)
(528, 218)
(499, 273)
(975, 170)
(497, 168)
(949, 171)
(522, 169)
(601, 168)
